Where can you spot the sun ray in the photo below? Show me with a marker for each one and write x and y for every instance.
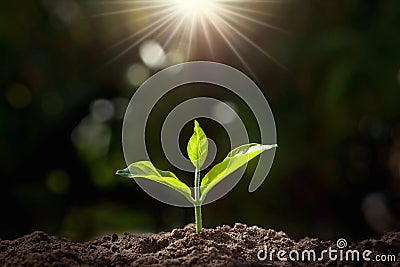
(248, 40)
(127, 2)
(130, 10)
(207, 36)
(181, 41)
(252, 1)
(232, 47)
(144, 37)
(141, 31)
(166, 29)
(249, 10)
(191, 34)
(174, 33)
(186, 23)
(237, 14)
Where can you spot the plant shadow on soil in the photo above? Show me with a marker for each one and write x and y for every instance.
(220, 246)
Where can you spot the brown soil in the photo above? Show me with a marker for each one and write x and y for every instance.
(221, 246)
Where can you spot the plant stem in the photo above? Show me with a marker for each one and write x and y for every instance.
(197, 204)
(197, 210)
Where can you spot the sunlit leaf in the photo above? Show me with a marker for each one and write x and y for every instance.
(197, 147)
(235, 159)
(146, 170)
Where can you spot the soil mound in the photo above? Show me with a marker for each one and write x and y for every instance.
(220, 246)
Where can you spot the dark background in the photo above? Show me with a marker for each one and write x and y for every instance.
(336, 106)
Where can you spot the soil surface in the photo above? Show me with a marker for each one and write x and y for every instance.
(221, 246)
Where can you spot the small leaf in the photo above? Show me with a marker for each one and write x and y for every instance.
(235, 159)
(197, 147)
(146, 170)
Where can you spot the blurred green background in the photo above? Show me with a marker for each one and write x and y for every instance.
(336, 106)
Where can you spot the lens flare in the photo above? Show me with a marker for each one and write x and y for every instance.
(184, 25)
(196, 8)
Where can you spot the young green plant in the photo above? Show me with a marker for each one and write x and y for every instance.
(197, 149)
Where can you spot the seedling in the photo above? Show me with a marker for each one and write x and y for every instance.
(197, 149)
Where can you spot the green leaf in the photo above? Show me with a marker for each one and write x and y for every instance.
(146, 170)
(197, 147)
(235, 159)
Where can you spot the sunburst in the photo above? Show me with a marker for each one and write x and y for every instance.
(183, 22)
